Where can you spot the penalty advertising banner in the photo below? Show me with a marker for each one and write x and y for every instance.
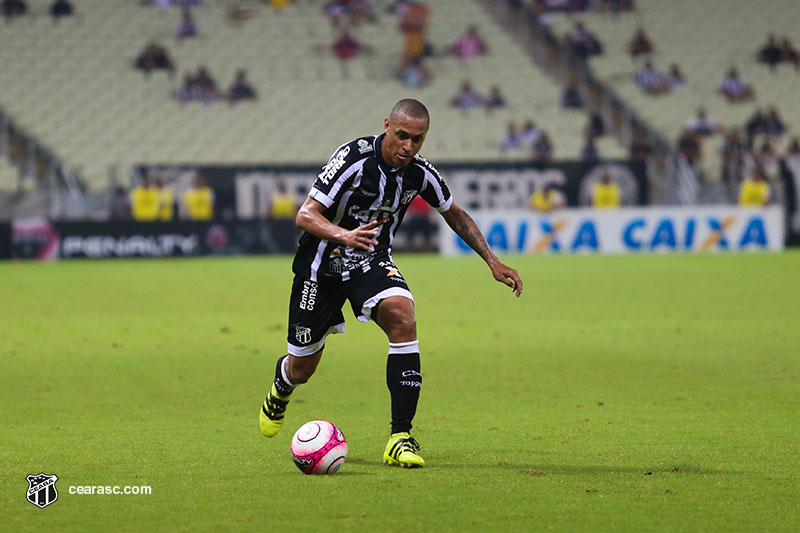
(627, 230)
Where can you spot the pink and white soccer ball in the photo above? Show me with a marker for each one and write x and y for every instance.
(319, 447)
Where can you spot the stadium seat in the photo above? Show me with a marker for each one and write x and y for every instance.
(73, 87)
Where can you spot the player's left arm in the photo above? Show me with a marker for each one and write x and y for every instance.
(461, 223)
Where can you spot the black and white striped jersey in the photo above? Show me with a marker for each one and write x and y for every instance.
(357, 186)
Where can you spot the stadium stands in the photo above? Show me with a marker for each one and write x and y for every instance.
(73, 86)
(8, 175)
(704, 39)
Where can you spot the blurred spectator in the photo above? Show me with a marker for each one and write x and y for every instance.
(770, 124)
(346, 46)
(397, 7)
(571, 98)
(412, 73)
(496, 99)
(540, 13)
(605, 193)
(789, 53)
(589, 153)
(120, 204)
(283, 203)
(206, 84)
(582, 42)
(344, 13)
(651, 81)
(735, 156)
(770, 53)
(277, 5)
(596, 127)
(186, 27)
(773, 124)
(238, 11)
(13, 8)
(640, 44)
(413, 23)
(529, 134)
(199, 87)
(469, 44)
(466, 98)
(794, 147)
(144, 201)
(187, 90)
(701, 124)
(734, 89)
(60, 8)
(639, 150)
(154, 57)
(241, 89)
(755, 125)
(547, 198)
(675, 77)
(198, 201)
(543, 149)
(767, 160)
(336, 11)
(511, 139)
(754, 191)
(166, 201)
(689, 146)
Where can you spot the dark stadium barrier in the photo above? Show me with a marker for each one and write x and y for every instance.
(41, 239)
(5, 240)
(244, 192)
(790, 175)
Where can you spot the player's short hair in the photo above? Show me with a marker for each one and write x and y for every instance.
(412, 108)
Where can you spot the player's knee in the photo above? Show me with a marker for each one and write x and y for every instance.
(403, 325)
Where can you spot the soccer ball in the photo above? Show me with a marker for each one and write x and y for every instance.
(319, 447)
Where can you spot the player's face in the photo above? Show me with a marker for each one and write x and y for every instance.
(404, 138)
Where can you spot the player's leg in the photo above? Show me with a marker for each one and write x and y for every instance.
(383, 296)
(315, 311)
(290, 371)
(395, 316)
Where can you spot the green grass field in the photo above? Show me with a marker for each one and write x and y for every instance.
(619, 393)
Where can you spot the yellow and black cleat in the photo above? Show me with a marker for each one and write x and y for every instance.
(402, 450)
(270, 418)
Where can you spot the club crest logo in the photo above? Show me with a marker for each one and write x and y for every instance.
(42, 489)
(408, 196)
(364, 146)
(303, 335)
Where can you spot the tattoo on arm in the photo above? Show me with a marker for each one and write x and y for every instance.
(465, 227)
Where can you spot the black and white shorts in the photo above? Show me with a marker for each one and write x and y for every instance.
(315, 307)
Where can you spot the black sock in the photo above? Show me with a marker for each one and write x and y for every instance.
(404, 381)
(283, 385)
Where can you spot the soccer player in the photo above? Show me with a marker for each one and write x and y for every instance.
(349, 220)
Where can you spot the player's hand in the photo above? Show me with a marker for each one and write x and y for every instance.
(509, 276)
(363, 237)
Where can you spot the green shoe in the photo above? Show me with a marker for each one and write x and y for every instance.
(401, 450)
(270, 418)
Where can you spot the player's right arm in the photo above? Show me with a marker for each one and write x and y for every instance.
(310, 219)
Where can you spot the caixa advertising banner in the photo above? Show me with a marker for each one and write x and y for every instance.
(626, 230)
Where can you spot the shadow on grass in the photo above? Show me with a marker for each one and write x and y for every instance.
(535, 469)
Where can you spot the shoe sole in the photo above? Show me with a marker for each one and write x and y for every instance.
(402, 465)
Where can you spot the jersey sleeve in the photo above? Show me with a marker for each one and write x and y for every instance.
(434, 189)
(331, 181)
